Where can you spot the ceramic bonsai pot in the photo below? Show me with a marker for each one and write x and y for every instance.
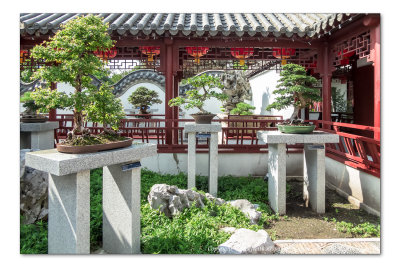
(93, 148)
(296, 129)
(33, 118)
(203, 118)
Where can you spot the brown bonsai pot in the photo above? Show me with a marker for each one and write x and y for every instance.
(93, 148)
(33, 118)
(203, 118)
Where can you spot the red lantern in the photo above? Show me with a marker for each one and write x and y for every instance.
(345, 57)
(242, 53)
(283, 53)
(23, 54)
(150, 52)
(105, 55)
(197, 52)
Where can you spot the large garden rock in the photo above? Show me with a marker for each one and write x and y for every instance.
(245, 241)
(33, 192)
(247, 208)
(171, 200)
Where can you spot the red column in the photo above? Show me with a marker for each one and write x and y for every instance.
(326, 84)
(376, 42)
(169, 88)
(175, 110)
(53, 112)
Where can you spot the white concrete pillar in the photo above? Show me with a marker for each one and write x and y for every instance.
(314, 177)
(191, 160)
(69, 213)
(213, 164)
(37, 135)
(277, 177)
(121, 210)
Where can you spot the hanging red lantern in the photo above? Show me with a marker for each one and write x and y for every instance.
(283, 53)
(23, 54)
(105, 55)
(345, 55)
(150, 52)
(197, 52)
(242, 53)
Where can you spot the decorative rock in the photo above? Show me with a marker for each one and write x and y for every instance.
(218, 201)
(245, 241)
(247, 208)
(171, 200)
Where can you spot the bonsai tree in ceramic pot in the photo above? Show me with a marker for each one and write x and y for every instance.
(32, 109)
(196, 99)
(143, 98)
(71, 54)
(295, 89)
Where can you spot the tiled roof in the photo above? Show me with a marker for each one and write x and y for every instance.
(273, 24)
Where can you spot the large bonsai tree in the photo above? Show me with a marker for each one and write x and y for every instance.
(295, 89)
(194, 98)
(143, 98)
(71, 60)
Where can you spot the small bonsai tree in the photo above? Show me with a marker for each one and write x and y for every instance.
(295, 89)
(31, 107)
(105, 108)
(70, 52)
(243, 109)
(143, 98)
(339, 104)
(195, 99)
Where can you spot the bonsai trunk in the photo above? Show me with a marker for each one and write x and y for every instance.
(78, 121)
(295, 114)
(143, 109)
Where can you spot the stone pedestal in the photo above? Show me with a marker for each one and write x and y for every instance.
(205, 131)
(37, 135)
(69, 197)
(314, 167)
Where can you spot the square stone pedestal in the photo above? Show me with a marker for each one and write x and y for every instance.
(209, 131)
(37, 135)
(314, 167)
(69, 197)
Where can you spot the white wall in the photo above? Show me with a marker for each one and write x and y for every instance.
(262, 87)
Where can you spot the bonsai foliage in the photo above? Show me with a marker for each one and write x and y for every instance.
(105, 108)
(295, 89)
(143, 97)
(71, 60)
(195, 99)
(243, 109)
(31, 107)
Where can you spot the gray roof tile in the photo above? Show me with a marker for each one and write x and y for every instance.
(278, 24)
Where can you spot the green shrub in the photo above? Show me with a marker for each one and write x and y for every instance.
(33, 238)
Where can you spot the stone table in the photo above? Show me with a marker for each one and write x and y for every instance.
(313, 170)
(69, 197)
(206, 131)
(37, 135)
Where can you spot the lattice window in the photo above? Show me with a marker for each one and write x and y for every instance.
(355, 46)
(220, 58)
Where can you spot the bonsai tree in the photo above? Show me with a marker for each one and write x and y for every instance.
(143, 98)
(195, 99)
(339, 104)
(31, 107)
(105, 108)
(295, 89)
(243, 109)
(70, 52)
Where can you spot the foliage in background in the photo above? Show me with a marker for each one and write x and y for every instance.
(143, 98)
(366, 229)
(33, 237)
(243, 109)
(236, 65)
(31, 107)
(71, 52)
(26, 75)
(105, 108)
(295, 89)
(195, 99)
(96, 208)
(339, 104)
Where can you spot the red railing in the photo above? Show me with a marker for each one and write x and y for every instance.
(356, 150)
(240, 136)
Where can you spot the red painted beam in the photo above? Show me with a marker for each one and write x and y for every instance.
(324, 65)
(376, 57)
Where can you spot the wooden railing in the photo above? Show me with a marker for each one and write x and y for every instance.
(240, 136)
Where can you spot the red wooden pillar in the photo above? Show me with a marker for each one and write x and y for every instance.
(169, 89)
(53, 112)
(373, 21)
(326, 74)
(175, 110)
